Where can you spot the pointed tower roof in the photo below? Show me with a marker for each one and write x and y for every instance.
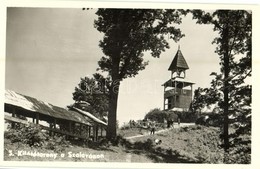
(178, 62)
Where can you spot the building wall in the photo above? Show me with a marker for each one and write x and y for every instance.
(182, 101)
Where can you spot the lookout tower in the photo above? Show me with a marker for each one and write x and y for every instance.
(177, 90)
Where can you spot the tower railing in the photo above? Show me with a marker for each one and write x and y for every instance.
(173, 92)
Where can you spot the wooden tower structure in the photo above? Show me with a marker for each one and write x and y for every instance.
(177, 90)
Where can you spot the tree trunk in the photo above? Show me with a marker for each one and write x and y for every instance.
(226, 113)
(226, 89)
(113, 97)
(111, 128)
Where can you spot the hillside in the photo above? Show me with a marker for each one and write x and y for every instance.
(193, 144)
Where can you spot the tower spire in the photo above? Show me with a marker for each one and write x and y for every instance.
(179, 47)
(178, 62)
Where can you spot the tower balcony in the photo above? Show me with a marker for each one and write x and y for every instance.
(177, 91)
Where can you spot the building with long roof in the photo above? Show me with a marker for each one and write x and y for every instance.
(74, 122)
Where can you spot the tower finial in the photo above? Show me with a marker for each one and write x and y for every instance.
(179, 47)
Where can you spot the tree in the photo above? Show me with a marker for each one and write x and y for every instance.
(228, 88)
(156, 115)
(199, 100)
(128, 33)
(91, 95)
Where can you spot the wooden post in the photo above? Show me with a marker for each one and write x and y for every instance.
(52, 126)
(13, 115)
(37, 118)
(68, 137)
(84, 128)
(191, 92)
(175, 95)
(80, 129)
(164, 97)
(182, 88)
(97, 132)
(89, 131)
(94, 132)
(55, 122)
(50, 132)
(101, 133)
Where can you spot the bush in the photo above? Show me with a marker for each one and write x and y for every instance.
(240, 151)
(239, 155)
(146, 145)
(116, 140)
(125, 127)
(187, 116)
(201, 121)
(34, 136)
(156, 115)
(56, 143)
(212, 120)
(31, 135)
(169, 151)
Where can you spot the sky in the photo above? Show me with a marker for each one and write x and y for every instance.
(48, 50)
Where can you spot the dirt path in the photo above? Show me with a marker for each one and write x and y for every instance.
(160, 131)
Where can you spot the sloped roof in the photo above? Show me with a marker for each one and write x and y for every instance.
(89, 115)
(35, 105)
(178, 80)
(178, 62)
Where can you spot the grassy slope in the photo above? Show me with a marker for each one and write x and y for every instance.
(184, 145)
(196, 143)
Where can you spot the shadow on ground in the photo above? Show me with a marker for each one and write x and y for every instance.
(152, 151)
(162, 157)
(157, 154)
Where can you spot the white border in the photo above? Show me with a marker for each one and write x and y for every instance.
(102, 4)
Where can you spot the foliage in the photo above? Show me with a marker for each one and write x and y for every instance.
(200, 100)
(125, 127)
(212, 120)
(34, 136)
(56, 143)
(91, 95)
(156, 115)
(186, 116)
(147, 145)
(159, 116)
(31, 135)
(240, 154)
(229, 89)
(128, 33)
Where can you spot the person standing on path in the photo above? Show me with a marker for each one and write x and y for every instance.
(152, 127)
(179, 121)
